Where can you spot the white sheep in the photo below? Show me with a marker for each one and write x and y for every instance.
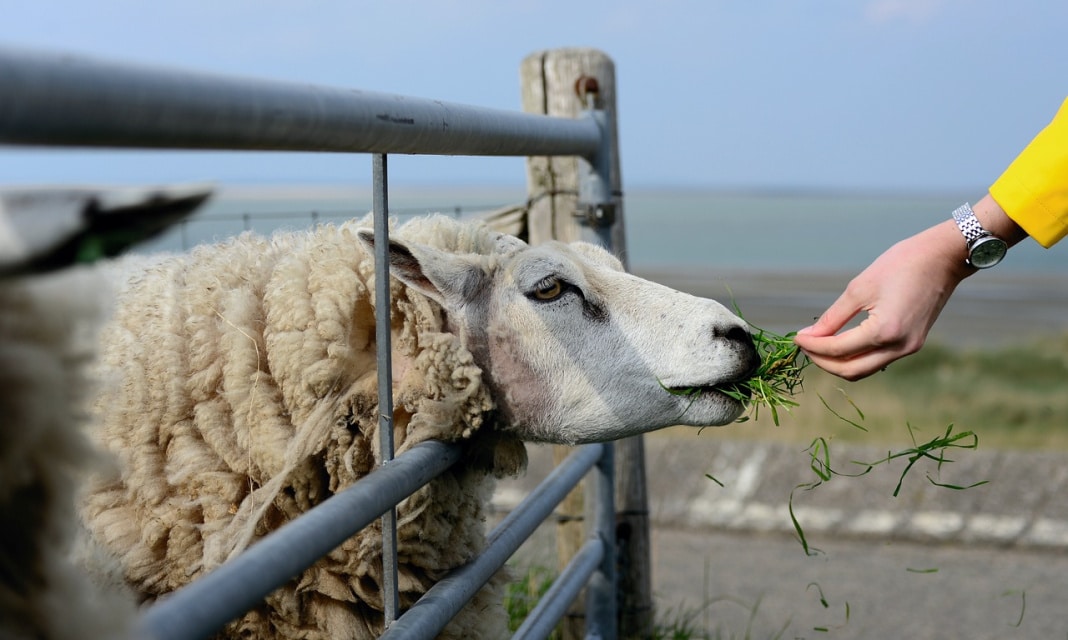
(52, 303)
(47, 343)
(243, 382)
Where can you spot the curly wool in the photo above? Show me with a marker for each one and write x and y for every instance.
(244, 391)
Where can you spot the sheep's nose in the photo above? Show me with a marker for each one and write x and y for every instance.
(733, 333)
(741, 341)
(739, 335)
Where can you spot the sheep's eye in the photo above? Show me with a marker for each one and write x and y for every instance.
(549, 289)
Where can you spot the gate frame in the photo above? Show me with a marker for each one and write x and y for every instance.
(55, 99)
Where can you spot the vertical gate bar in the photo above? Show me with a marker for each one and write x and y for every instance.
(380, 209)
(601, 605)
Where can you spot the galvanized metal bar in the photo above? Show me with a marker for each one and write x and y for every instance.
(595, 180)
(554, 603)
(384, 346)
(432, 612)
(597, 202)
(200, 609)
(601, 604)
(66, 100)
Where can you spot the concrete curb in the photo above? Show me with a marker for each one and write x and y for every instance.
(1024, 503)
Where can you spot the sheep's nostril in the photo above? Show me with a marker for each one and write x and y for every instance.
(742, 341)
(730, 331)
(740, 335)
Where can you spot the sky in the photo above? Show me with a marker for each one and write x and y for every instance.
(885, 95)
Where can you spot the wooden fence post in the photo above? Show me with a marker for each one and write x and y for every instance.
(563, 82)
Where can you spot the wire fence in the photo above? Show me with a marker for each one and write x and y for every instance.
(201, 228)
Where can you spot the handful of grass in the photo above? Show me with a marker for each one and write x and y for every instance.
(777, 380)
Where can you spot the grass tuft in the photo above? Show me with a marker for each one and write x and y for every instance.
(522, 596)
(777, 380)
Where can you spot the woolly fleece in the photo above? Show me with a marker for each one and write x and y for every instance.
(242, 391)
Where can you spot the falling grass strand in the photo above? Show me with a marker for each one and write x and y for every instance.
(1023, 606)
(844, 419)
(823, 599)
(713, 479)
(773, 386)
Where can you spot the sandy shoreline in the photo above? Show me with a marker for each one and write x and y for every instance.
(989, 310)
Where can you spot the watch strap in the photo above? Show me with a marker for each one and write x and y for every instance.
(968, 224)
(984, 248)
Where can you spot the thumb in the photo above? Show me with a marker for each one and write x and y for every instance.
(832, 320)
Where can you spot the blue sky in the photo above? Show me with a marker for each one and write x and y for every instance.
(827, 94)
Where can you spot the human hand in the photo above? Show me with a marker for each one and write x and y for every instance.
(902, 292)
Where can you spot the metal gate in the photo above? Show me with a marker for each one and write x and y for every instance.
(58, 100)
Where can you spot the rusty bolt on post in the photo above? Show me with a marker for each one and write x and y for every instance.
(587, 89)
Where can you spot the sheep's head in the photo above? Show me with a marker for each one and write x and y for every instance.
(575, 349)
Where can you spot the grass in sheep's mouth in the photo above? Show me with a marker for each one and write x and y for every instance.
(776, 381)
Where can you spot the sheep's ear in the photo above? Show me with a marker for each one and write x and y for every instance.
(449, 279)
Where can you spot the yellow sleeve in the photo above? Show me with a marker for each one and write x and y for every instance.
(1033, 191)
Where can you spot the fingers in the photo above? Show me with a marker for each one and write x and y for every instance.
(858, 352)
(834, 318)
(855, 367)
(902, 292)
(849, 354)
(848, 344)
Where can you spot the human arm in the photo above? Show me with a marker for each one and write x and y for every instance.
(902, 292)
(905, 289)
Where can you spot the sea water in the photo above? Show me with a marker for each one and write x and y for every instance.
(768, 231)
(665, 228)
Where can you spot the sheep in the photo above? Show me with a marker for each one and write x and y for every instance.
(52, 303)
(47, 325)
(242, 391)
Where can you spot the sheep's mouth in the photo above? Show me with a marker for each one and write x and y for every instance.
(740, 388)
(737, 391)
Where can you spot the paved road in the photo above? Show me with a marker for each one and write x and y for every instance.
(764, 586)
(990, 562)
(735, 585)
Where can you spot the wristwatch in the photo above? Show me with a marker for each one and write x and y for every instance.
(984, 248)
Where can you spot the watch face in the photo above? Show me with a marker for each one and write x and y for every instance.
(987, 252)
